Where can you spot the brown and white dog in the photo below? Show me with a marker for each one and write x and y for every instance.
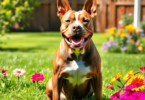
(76, 63)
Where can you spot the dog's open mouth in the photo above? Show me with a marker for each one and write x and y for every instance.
(76, 40)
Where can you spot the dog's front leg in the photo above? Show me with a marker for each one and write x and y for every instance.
(57, 86)
(97, 85)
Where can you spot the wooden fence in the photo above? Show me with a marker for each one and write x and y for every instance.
(45, 16)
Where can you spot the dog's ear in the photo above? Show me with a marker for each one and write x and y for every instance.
(91, 6)
(63, 7)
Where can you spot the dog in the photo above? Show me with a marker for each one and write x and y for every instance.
(76, 63)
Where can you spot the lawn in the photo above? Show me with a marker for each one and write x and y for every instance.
(34, 52)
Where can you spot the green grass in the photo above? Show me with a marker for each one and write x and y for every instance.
(34, 53)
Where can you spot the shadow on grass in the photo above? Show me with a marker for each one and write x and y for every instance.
(104, 97)
(23, 49)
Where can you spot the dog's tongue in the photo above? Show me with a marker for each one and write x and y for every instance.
(76, 39)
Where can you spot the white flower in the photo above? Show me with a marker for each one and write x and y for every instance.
(120, 22)
(19, 72)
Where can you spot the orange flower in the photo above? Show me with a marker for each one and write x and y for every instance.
(105, 34)
(123, 34)
(121, 30)
(118, 19)
(136, 80)
(137, 43)
(140, 48)
(116, 34)
(109, 86)
(131, 40)
(116, 77)
(111, 39)
(137, 33)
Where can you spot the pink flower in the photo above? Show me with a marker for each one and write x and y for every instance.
(3, 70)
(130, 14)
(115, 96)
(5, 74)
(37, 77)
(142, 69)
(19, 72)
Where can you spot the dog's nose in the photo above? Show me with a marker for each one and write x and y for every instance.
(76, 28)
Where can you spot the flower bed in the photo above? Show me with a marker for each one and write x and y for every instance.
(126, 39)
(134, 86)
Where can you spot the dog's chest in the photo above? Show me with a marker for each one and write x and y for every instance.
(77, 72)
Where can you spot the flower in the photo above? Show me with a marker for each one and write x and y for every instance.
(3, 70)
(142, 35)
(111, 30)
(114, 44)
(140, 48)
(103, 47)
(109, 86)
(105, 34)
(123, 34)
(130, 14)
(130, 28)
(137, 42)
(108, 45)
(37, 77)
(118, 19)
(137, 81)
(5, 22)
(115, 95)
(19, 72)
(142, 69)
(116, 34)
(116, 77)
(128, 75)
(124, 48)
(5, 74)
(122, 10)
(132, 40)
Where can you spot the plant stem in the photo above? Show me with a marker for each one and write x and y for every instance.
(129, 78)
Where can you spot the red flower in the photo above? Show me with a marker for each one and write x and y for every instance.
(37, 77)
(115, 95)
(122, 10)
(118, 19)
(109, 86)
(131, 40)
(142, 69)
(3, 70)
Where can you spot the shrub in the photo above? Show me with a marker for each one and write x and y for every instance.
(12, 11)
(126, 39)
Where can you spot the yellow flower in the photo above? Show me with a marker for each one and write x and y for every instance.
(140, 48)
(111, 39)
(19, 8)
(123, 34)
(116, 34)
(136, 80)
(26, 3)
(5, 22)
(105, 34)
(130, 28)
(128, 75)
(3, 3)
(111, 30)
(121, 30)
(9, 12)
(143, 39)
(3, 32)
(116, 77)
(7, 1)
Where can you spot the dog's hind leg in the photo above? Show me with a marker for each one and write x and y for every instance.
(49, 91)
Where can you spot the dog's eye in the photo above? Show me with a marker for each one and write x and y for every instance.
(67, 21)
(85, 21)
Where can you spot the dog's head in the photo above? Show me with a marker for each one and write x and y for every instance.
(76, 26)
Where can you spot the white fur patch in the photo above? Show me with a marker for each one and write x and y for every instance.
(77, 72)
(77, 22)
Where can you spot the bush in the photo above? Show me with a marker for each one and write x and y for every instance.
(126, 39)
(12, 11)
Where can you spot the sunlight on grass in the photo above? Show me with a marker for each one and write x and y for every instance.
(34, 52)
